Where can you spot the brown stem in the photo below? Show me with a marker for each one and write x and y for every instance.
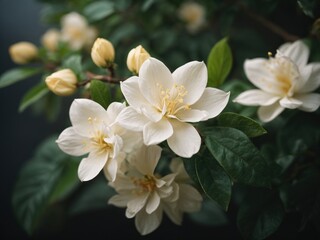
(104, 78)
(269, 25)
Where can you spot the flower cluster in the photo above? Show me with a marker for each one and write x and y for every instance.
(169, 138)
(162, 106)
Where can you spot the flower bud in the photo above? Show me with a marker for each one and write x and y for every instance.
(136, 58)
(102, 52)
(62, 83)
(50, 39)
(23, 52)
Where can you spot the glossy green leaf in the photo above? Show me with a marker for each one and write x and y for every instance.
(33, 95)
(98, 10)
(213, 179)
(46, 178)
(247, 125)
(260, 214)
(219, 63)
(239, 157)
(100, 93)
(17, 74)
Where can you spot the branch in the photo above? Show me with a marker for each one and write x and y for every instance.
(269, 25)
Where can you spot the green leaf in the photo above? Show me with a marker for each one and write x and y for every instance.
(74, 63)
(100, 93)
(213, 179)
(17, 74)
(260, 214)
(210, 214)
(239, 157)
(33, 95)
(98, 10)
(46, 178)
(219, 63)
(247, 125)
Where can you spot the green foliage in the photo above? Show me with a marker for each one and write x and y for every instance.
(219, 63)
(213, 180)
(100, 93)
(48, 177)
(247, 125)
(33, 95)
(260, 214)
(73, 62)
(98, 10)
(308, 6)
(17, 74)
(210, 214)
(239, 157)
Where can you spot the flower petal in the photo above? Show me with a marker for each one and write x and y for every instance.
(86, 116)
(152, 113)
(185, 140)
(153, 202)
(154, 133)
(256, 97)
(193, 76)
(147, 223)
(119, 200)
(310, 102)
(131, 91)
(113, 111)
(154, 77)
(313, 82)
(213, 101)
(136, 204)
(72, 143)
(268, 113)
(259, 75)
(130, 119)
(110, 169)
(91, 166)
(298, 52)
(290, 103)
(147, 158)
(191, 115)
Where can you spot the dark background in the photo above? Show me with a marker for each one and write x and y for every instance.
(21, 133)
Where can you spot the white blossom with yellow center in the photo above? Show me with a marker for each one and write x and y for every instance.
(141, 191)
(95, 131)
(163, 103)
(285, 81)
(76, 31)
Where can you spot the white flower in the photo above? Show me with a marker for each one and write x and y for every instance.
(94, 131)
(162, 104)
(189, 200)
(142, 192)
(285, 81)
(76, 31)
(193, 14)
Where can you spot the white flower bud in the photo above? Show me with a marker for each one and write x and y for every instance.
(23, 52)
(62, 83)
(136, 58)
(50, 39)
(102, 52)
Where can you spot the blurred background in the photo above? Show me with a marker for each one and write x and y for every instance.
(21, 133)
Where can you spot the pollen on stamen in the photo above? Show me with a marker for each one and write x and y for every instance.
(269, 54)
